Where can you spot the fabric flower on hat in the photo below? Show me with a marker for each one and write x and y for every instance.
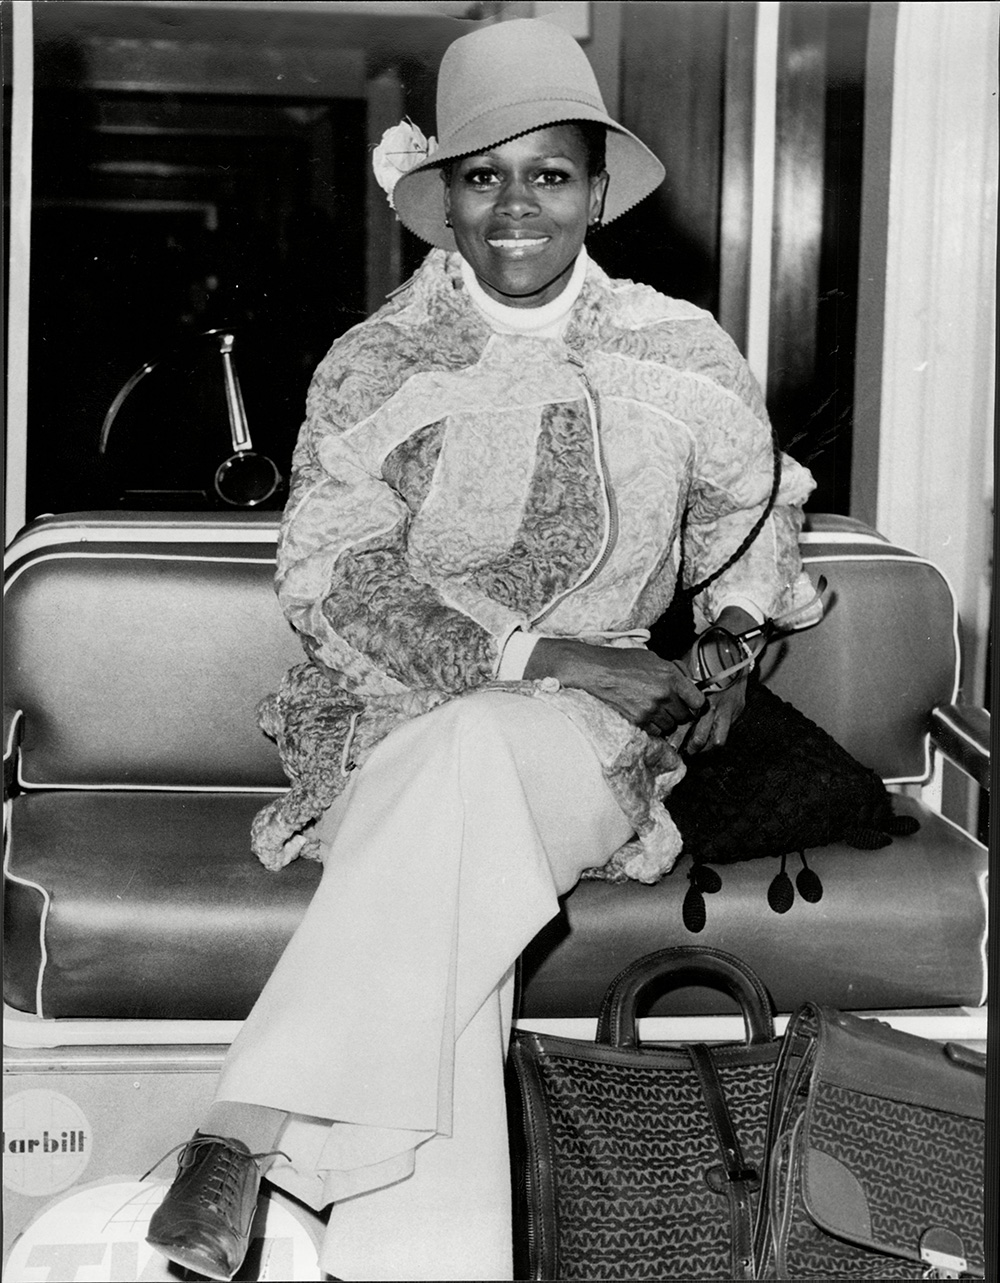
(402, 148)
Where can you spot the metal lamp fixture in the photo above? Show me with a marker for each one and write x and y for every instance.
(245, 479)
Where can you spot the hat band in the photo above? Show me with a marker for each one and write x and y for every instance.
(551, 100)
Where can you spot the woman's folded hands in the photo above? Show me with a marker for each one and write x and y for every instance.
(658, 695)
(655, 694)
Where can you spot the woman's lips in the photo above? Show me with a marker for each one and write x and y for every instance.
(517, 246)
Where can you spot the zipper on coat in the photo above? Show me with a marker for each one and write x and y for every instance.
(610, 506)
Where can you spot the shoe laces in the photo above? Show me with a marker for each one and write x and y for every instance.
(225, 1169)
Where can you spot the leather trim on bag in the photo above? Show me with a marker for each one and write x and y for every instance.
(543, 1228)
(836, 1199)
(740, 1178)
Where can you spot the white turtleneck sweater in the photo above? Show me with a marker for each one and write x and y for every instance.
(545, 322)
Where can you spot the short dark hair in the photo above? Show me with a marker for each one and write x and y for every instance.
(595, 140)
(591, 133)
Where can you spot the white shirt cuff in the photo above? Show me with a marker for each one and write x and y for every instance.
(743, 603)
(515, 655)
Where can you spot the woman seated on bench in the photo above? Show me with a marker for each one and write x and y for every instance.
(497, 476)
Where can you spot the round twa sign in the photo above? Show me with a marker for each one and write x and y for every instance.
(97, 1234)
(46, 1142)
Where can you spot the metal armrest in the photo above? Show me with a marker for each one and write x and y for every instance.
(962, 733)
(13, 723)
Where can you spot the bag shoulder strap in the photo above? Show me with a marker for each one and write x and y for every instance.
(795, 1060)
(733, 1178)
(755, 530)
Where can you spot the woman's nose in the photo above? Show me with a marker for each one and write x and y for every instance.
(517, 199)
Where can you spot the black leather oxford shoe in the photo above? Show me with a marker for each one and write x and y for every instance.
(204, 1222)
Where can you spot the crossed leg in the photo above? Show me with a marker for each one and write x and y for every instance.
(382, 1030)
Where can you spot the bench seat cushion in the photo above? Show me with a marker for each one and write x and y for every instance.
(140, 904)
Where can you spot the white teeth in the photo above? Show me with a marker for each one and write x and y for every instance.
(520, 242)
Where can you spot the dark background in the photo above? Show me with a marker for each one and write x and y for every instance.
(162, 210)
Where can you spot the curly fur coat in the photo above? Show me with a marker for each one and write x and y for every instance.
(452, 484)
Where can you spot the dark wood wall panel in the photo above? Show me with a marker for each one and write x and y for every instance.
(687, 73)
(817, 214)
(673, 58)
(798, 208)
(736, 195)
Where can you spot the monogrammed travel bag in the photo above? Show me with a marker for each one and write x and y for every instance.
(876, 1155)
(642, 1162)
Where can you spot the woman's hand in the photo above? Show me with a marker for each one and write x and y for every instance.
(652, 693)
(712, 728)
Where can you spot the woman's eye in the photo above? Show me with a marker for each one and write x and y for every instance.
(553, 178)
(484, 177)
(481, 177)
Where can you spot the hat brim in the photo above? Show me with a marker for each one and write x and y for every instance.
(634, 171)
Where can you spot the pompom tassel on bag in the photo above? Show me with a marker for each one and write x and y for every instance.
(779, 785)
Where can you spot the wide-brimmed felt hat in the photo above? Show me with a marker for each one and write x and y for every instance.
(504, 80)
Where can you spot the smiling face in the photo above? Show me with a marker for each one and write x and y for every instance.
(520, 212)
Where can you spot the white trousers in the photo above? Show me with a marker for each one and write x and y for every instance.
(383, 1028)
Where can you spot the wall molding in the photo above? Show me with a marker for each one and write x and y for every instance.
(934, 491)
(871, 265)
(758, 324)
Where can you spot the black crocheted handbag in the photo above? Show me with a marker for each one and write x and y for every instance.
(780, 784)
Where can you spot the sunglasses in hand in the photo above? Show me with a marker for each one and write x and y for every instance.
(722, 657)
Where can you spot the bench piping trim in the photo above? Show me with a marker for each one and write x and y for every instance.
(26, 545)
(29, 562)
(953, 724)
(43, 953)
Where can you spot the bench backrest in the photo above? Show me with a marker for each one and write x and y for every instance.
(138, 648)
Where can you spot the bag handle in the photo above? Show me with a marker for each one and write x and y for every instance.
(616, 1024)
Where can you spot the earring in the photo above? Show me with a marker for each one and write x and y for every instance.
(447, 220)
(595, 223)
